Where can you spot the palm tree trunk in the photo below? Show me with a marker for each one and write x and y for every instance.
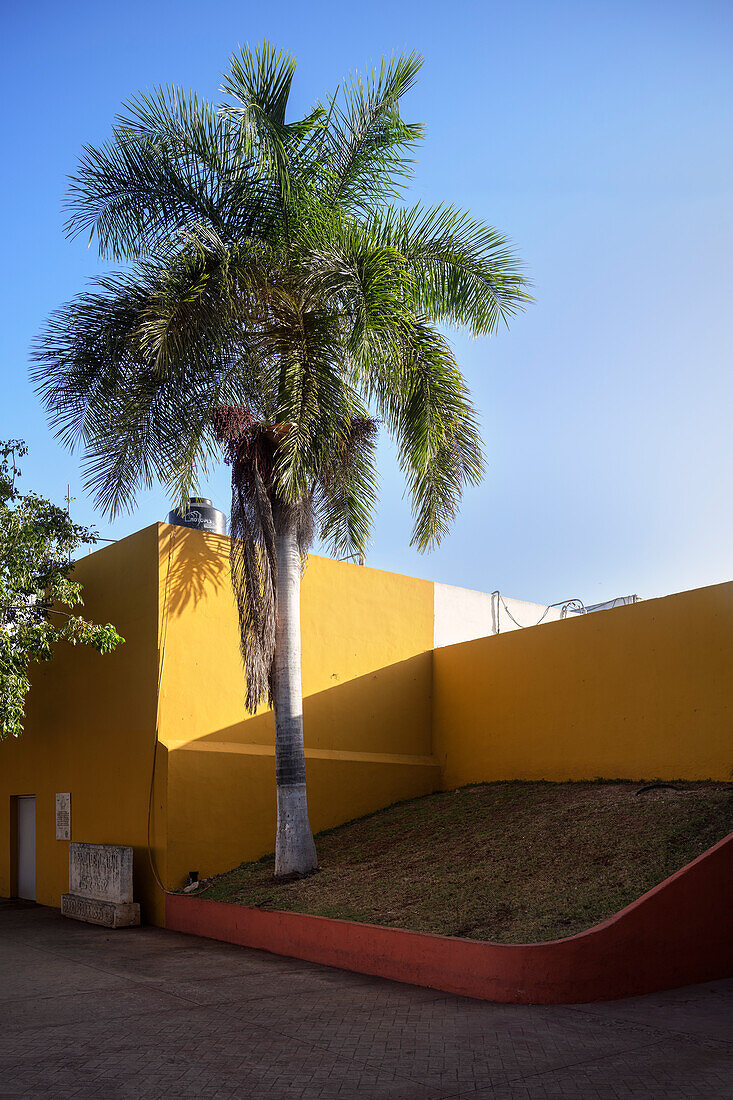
(295, 850)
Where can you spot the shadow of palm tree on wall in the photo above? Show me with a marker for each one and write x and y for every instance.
(386, 711)
(197, 572)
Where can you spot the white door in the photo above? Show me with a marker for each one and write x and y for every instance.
(27, 847)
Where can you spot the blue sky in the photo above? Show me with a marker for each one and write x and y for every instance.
(596, 135)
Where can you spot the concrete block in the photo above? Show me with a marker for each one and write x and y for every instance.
(102, 872)
(100, 885)
(108, 913)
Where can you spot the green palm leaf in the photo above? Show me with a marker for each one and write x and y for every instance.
(273, 270)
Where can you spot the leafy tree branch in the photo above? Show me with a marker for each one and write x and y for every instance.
(37, 541)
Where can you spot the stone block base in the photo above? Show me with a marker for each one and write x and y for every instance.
(111, 914)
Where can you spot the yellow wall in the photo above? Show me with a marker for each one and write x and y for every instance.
(367, 668)
(640, 691)
(91, 720)
(89, 729)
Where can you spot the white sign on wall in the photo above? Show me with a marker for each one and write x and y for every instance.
(63, 817)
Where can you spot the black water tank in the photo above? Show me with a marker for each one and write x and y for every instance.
(201, 514)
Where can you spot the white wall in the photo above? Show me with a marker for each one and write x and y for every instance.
(460, 614)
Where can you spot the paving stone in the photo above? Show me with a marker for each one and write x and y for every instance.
(84, 1009)
(150, 1013)
(704, 1011)
(672, 1069)
(46, 975)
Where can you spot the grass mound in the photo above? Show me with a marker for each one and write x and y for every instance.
(513, 862)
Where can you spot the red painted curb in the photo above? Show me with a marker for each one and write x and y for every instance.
(679, 933)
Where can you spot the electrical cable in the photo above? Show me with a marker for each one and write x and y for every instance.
(562, 604)
(164, 636)
(501, 601)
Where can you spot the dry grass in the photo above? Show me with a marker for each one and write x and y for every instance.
(509, 862)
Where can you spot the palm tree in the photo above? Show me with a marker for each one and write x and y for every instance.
(276, 299)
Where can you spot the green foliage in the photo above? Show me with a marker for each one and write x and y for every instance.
(271, 265)
(37, 540)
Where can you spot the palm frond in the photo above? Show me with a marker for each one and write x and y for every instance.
(463, 272)
(346, 492)
(315, 401)
(173, 160)
(425, 403)
(269, 273)
(259, 84)
(133, 371)
(367, 146)
(259, 81)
